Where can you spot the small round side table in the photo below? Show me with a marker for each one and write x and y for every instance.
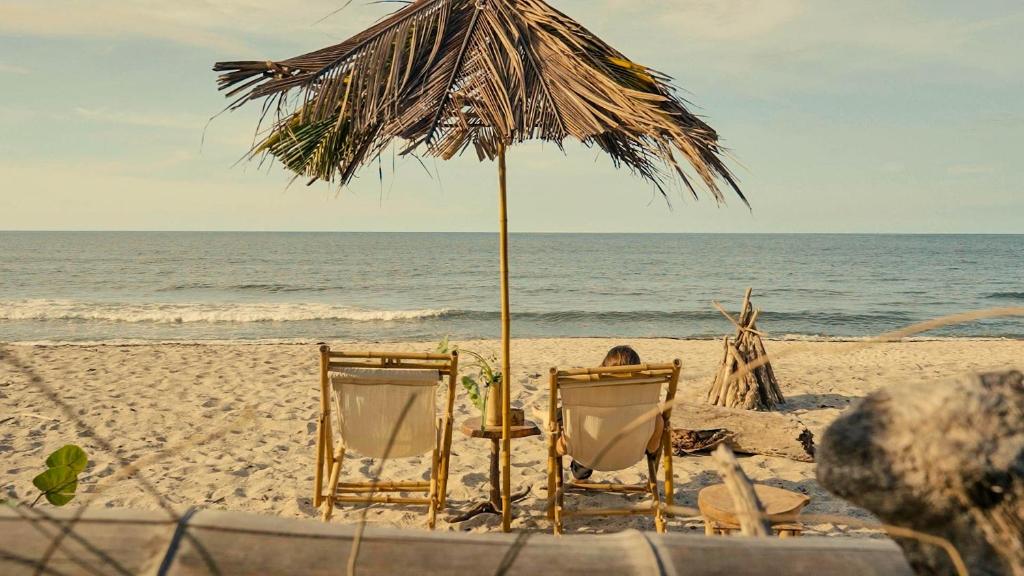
(492, 505)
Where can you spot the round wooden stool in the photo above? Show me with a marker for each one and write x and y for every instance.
(781, 506)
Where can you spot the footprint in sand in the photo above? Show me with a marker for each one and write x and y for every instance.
(474, 478)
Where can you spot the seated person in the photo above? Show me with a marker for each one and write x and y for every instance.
(617, 356)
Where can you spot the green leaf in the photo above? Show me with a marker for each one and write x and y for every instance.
(71, 456)
(474, 391)
(58, 484)
(442, 346)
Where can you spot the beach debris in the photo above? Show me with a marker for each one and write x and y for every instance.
(745, 379)
(943, 463)
(693, 441)
(702, 427)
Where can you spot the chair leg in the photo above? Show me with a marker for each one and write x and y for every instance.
(552, 482)
(709, 527)
(332, 487)
(434, 503)
(445, 462)
(666, 454)
(321, 463)
(559, 496)
(652, 485)
(557, 522)
(434, 466)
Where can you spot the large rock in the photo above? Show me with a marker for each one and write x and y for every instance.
(940, 458)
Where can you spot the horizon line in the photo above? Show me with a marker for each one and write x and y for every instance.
(511, 233)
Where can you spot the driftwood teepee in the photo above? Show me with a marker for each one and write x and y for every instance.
(745, 379)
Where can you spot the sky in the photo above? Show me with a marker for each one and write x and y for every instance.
(878, 116)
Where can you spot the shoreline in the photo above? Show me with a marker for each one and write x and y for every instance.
(796, 338)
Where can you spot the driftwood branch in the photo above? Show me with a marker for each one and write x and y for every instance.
(749, 510)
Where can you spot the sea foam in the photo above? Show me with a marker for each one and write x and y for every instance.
(182, 313)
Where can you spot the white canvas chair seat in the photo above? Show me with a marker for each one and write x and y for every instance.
(371, 403)
(594, 418)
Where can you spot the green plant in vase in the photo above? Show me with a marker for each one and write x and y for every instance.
(482, 377)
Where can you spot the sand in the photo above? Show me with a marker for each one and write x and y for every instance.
(231, 426)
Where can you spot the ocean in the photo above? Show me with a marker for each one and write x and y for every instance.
(156, 286)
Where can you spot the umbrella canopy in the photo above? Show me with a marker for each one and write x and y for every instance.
(439, 76)
(442, 75)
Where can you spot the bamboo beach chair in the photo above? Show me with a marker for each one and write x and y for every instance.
(386, 408)
(601, 408)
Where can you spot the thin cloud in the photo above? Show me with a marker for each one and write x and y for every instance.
(227, 25)
(16, 115)
(970, 169)
(697, 21)
(796, 46)
(730, 37)
(145, 120)
(729, 20)
(12, 69)
(893, 167)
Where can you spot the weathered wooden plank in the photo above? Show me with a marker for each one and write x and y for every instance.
(215, 542)
(100, 542)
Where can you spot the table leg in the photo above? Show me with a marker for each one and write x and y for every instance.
(496, 479)
(495, 474)
(493, 504)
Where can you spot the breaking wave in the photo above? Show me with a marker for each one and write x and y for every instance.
(1018, 296)
(176, 313)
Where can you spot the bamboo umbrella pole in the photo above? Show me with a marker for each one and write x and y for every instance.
(506, 369)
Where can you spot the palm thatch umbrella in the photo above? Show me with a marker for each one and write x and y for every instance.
(440, 76)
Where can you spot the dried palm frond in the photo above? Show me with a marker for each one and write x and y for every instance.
(442, 75)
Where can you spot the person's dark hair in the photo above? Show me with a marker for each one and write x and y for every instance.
(621, 356)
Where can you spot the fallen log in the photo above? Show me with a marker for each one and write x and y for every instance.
(943, 459)
(214, 542)
(699, 427)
